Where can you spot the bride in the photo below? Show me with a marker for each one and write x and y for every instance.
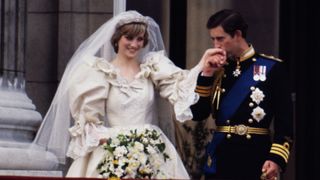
(108, 93)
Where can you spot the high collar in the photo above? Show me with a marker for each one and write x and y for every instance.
(247, 54)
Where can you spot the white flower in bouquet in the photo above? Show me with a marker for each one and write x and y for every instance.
(119, 171)
(142, 157)
(151, 150)
(115, 143)
(138, 146)
(120, 151)
(122, 161)
(145, 140)
(133, 165)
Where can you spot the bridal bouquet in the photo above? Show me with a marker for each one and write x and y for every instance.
(134, 154)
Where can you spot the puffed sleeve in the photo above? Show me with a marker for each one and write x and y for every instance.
(87, 96)
(175, 84)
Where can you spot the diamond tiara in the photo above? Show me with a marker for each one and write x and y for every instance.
(128, 20)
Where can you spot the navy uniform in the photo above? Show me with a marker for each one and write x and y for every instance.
(244, 98)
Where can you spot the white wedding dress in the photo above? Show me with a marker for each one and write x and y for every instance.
(103, 104)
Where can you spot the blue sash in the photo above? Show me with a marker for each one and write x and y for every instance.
(229, 105)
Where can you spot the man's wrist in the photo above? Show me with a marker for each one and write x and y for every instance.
(206, 74)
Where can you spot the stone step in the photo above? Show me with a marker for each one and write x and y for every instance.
(30, 173)
(27, 159)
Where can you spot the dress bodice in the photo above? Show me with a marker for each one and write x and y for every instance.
(130, 103)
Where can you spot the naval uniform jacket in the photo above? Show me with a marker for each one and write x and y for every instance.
(265, 104)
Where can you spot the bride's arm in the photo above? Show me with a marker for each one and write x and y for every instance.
(87, 97)
(175, 84)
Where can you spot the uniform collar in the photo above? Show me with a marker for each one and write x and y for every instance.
(247, 54)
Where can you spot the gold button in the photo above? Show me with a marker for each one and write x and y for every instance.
(248, 136)
(250, 120)
(286, 145)
(228, 136)
(254, 59)
(209, 161)
(252, 88)
(223, 90)
(251, 104)
(228, 121)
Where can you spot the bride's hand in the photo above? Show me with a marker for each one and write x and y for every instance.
(212, 60)
(102, 141)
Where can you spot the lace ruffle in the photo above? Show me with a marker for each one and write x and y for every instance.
(86, 139)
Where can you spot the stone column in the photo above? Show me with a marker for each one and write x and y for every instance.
(19, 120)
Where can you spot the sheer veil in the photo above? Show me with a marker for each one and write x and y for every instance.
(53, 134)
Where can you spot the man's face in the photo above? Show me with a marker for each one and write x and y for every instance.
(221, 39)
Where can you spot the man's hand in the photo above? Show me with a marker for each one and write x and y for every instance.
(213, 59)
(270, 170)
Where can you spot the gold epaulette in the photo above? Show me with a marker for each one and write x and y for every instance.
(271, 57)
(281, 150)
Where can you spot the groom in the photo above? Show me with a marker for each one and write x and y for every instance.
(245, 97)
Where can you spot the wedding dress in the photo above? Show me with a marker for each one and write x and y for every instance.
(102, 92)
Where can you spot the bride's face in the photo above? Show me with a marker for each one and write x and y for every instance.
(130, 46)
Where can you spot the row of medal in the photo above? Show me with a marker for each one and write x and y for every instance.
(259, 72)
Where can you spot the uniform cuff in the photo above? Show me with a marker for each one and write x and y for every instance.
(280, 154)
(204, 86)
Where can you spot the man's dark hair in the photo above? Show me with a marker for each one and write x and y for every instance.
(229, 20)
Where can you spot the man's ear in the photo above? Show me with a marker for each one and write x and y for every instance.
(238, 33)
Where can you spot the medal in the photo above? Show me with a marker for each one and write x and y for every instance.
(263, 73)
(237, 71)
(259, 73)
(256, 75)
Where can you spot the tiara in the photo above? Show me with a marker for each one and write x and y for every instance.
(139, 19)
